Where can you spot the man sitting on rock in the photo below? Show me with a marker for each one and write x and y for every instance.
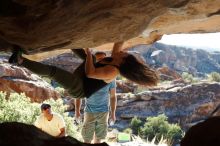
(51, 123)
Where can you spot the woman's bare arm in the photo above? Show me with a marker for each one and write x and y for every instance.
(89, 66)
(117, 47)
(103, 73)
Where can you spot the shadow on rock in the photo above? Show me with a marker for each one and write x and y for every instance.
(19, 134)
(206, 133)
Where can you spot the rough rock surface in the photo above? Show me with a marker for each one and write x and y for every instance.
(182, 104)
(41, 26)
(203, 134)
(126, 86)
(19, 134)
(168, 74)
(67, 61)
(197, 62)
(18, 79)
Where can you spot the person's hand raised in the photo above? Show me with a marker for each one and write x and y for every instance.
(87, 51)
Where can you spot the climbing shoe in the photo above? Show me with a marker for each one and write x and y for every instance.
(17, 52)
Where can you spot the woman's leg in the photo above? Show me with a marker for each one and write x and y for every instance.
(72, 82)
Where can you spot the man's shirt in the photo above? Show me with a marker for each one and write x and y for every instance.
(51, 127)
(99, 101)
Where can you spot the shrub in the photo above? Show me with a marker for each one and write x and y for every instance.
(215, 76)
(135, 125)
(18, 108)
(48, 80)
(60, 90)
(159, 127)
(187, 77)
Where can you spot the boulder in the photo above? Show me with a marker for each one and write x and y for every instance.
(20, 80)
(183, 104)
(19, 134)
(125, 86)
(205, 133)
(167, 73)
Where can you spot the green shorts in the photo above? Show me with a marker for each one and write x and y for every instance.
(95, 123)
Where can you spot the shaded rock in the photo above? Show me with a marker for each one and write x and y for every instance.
(206, 133)
(18, 134)
(41, 26)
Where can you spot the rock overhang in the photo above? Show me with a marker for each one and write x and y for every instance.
(55, 25)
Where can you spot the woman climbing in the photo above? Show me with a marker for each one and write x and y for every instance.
(89, 76)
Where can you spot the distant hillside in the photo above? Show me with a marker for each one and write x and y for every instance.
(197, 62)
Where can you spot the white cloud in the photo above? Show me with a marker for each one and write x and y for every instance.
(208, 41)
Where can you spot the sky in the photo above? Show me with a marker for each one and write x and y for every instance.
(207, 41)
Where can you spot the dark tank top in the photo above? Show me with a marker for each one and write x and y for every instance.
(92, 85)
(87, 86)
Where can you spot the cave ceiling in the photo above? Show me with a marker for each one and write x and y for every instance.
(46, 26)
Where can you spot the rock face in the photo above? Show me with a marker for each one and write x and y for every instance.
(67, 61)
(168, 74)
(203, 134)
(180, 59)
(40, 26)
(183, 104)
(126, 86)
(17, 79)
(19, 134)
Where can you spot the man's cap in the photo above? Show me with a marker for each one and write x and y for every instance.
(45, 106)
